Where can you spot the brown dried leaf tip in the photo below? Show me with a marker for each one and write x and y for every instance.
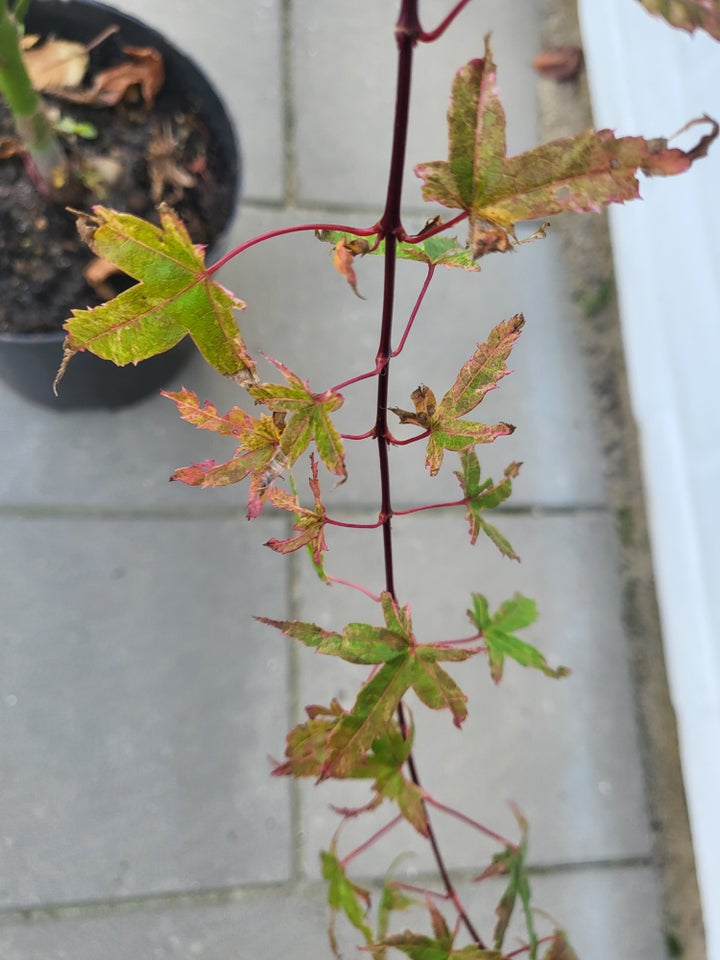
(425, 405)
(559, 63)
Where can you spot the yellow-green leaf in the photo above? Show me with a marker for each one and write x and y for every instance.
(173, 298)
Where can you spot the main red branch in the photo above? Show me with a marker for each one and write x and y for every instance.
(408, 31)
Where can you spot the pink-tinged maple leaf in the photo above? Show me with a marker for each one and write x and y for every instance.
(173, 298)
(258, 454)
(403, 665)
(307, 753)
(581, 173)
(444, 421)
(309, 524)
(308, 418)
(689, 15)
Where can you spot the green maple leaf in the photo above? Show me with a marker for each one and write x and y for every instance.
(309, 524)
(688, 14)
(444, 421)
(174, 297)
(485, 496)
(391, 899)
(512, 862)
(405, 665)
(498, 635)
(419, 947)
(581, 173)
(308, 418)
(436, 250)
(258, 454)
(344, 895)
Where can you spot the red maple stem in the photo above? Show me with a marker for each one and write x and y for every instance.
(354, 526)
(363, 376)
(418, 302)
(412, 888)
(440, 30)
(271, 234)
(359, 436)
(431, 506)
(355, 586)
(371, 840)
(407, 32)
(475, 824)
(440, 228)
(402, 443)
(526, 947)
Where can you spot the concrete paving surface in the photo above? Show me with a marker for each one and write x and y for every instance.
(139, 700)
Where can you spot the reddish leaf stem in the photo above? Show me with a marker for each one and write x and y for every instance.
(271, 234)
(461, 640)
(401, 443)
(418, 302)
(425, 234)
(526, 948)
(440, 30)
(371, 840)
(358, 436)
(355, 586)
(463, 818)
(411, 888)
(363, 376)
(431, 506)
(354, 526)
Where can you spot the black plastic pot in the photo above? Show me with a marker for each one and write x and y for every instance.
(29, 362)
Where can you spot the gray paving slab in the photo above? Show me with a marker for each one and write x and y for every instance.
(606, 912)
(565, 751)
(239, 47)
(344, 82)
(119, 459)
(139, 705)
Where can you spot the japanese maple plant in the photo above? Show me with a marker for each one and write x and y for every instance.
(177, 295)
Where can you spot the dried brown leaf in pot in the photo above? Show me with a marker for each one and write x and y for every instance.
(56, 63)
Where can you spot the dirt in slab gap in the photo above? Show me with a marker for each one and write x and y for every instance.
(130, 155)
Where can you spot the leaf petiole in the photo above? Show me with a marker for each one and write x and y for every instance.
(371, 840)
(415, 309)
(271, 234)
(432, 35)
(463, 818)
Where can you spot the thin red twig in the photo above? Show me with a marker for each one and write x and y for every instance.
(431, 506)
(463, 818)
(418, 302)
(271, 234)
(425, 234)
(355, 526)
(355, 586)
(371, 840)
(440, 30)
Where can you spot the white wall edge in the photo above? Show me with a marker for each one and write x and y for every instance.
(647, 78)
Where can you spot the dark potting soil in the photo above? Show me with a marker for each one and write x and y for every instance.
(42, 258)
